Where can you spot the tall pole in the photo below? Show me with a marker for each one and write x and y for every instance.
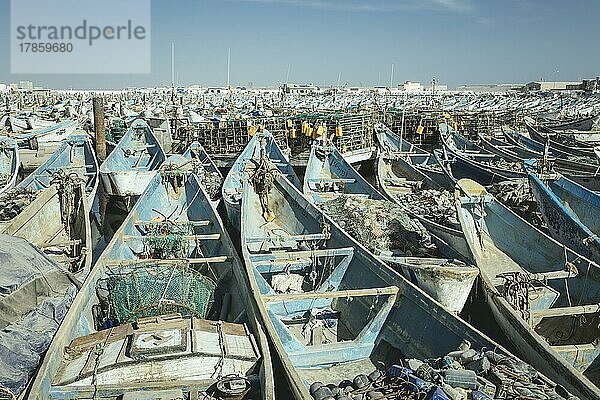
(98, 105)
(172, 65)
(402, 124)
(392, 77)
(228, 65)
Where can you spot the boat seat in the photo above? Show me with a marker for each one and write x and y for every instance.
(537, 315)
(294, 255)
(580, 356)
(193, 223)
(157, 261)
(297, 238)
(212, 236)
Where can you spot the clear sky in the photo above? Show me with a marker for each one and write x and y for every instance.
(456, 41)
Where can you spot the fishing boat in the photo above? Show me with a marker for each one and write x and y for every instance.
(409, 159)
(51, 207)
(333, 311)
(570, 210)
(9, 163)
(467, 160)
(328, 175)
(131, 165)
(574, 150)
(543, 295)
(75, 155)
(577, 170)
(261, 143)
(165, 312)
(580, 124)
(35, 146)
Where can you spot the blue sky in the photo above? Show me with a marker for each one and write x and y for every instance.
(456, 41)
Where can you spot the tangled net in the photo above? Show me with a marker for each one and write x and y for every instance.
(147, 291)
(167, 240)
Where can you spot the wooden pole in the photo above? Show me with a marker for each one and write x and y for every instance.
(99, 128)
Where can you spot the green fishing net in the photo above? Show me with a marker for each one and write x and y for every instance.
(147, 291)
(167, 240)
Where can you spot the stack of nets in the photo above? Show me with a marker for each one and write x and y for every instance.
(434, 205)
(167, 240)
(14, 201)
(381, 226)
(155, 290)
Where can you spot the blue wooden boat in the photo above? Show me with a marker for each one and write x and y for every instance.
(165, 312)
(571, 212)
(407, 158)
(51, 207)
(35, 146)
(9, 163)
(543, 295)
(328, 175)
(467, 160)
(76, 156)
(262, 143)
(331, 309)
(131, 165)
(535, 134)
(586, 174)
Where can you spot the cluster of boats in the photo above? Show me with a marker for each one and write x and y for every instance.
(182, 304)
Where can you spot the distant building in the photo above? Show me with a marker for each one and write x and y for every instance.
(591, 85)
(26, 85)
(412, 87)
(548, 86)
(300, 89)
(438, 88)
(4, 87)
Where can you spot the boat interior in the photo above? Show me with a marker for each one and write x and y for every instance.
(138, 149)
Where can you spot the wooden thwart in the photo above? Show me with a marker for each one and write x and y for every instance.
(385, 291)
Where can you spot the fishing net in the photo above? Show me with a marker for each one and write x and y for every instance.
(13, 201)
(156, 290)
(167, 240)
(381, 226)
(211, 181)
(435, 205)
(4, 178)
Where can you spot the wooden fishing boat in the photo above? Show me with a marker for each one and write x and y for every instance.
(535, 134)
(331, 309)
(9, 163)
(571, 212)
(51, 207)
(75, 155)
(399, 154)
(543, 295)
(131, 165)
(467, 160)
(192, 334)
(35, 146)
(329, 175)
(262, 142)
(580, 124)
(581, 172)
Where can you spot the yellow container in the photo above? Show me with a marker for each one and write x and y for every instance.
(293, 133)
(252, 130)
(420, 129)
(344, 148)
(319, 132)
(338, 131)
(289, 123)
